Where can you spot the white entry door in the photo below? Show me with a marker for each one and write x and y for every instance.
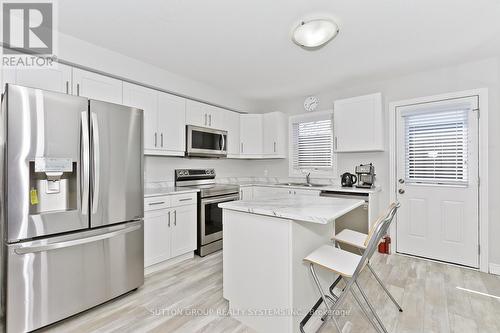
(437, 156)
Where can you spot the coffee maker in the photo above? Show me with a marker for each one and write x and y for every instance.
(366, 175)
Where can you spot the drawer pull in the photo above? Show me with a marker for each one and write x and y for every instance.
(156, 203)
(186, 199)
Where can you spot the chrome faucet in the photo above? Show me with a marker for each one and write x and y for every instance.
(308, 179)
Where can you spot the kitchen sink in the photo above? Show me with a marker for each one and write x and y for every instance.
(302, 184)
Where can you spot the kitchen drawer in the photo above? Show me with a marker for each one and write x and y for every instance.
(156, 203)
(183, 199)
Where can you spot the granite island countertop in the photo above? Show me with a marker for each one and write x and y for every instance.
(320, 210)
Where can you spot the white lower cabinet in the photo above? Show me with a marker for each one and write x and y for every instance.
(169, 227)
(157, 237)
(264, 192)
(183, 230)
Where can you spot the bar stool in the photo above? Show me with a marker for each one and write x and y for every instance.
(349, 267)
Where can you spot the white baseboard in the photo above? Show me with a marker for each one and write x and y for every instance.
(167, 263)
(494, 268)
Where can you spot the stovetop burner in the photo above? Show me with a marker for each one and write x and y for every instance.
(204, 180)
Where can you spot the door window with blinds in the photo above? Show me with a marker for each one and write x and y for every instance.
(436, 146)
(311, 148)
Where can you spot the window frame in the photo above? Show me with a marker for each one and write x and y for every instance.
(330, 173)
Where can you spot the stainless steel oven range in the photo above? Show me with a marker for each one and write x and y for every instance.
(209, 213)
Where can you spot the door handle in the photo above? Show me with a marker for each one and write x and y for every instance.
(97, 159)
(67, 87)
(209, 120)
(274, 146)
(156, 138)
(205, 119)
(336, 143)
(85, 164)
(169, 219)
(161, 135)
(175, 217)
(242, 147)
(75, 242)
(401, 191)
(78, 89)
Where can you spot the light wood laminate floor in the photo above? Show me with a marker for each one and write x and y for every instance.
(426, 290)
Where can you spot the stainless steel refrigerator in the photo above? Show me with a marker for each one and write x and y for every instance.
(71, 204)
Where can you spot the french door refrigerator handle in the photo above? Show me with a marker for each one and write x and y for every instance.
(75, 242)
(85, 164)
(96, 160)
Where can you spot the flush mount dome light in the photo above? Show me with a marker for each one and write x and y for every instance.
(314, 34)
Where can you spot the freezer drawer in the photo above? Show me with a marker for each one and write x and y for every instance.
(51, 279)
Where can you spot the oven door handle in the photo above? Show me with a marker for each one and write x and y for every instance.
(220, 199)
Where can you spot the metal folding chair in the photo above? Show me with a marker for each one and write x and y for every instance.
(359, 240)
(349, 267)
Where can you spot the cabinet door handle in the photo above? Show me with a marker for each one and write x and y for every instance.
(169, 219)
(242, 147)
(336, 143)
(186, 199)
(175, 217)
(67, 87)
(205, 119)
(161, 135)
(156, 138)
(78, 89)
(274, 146)
(209, 120)
(156, 203)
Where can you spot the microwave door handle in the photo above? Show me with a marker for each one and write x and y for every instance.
(223, 143)
(85, 164)
(96, 158)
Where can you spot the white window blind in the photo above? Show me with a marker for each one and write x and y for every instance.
(436, 147)
(312, 143)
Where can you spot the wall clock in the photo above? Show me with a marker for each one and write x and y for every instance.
(311, 103)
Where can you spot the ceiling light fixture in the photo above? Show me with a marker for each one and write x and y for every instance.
(314, 34)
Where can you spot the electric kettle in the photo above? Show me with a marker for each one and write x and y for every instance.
(348, 179)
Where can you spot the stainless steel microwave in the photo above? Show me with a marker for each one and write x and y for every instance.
(205, 142)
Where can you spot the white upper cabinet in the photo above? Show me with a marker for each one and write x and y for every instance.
(275, 134)
(251, 135)
(54, 79)
(96, 86)
(232, 125)
(358, 124)
(164, 119)
(203, 115)
(172, 123)
(145, 99)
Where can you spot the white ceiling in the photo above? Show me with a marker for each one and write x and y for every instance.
(244, 47)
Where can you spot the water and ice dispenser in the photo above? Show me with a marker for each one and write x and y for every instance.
(53, 185)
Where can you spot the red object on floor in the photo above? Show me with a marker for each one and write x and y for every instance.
(384, 246)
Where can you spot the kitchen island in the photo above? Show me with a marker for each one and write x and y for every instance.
(265, 280)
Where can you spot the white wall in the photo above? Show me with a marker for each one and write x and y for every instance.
(83, 53)
(485, 73)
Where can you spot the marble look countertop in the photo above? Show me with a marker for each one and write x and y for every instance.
(159, 191)
(300, 208)
(332, 188)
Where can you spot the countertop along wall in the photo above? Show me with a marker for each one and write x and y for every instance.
(479, 74)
